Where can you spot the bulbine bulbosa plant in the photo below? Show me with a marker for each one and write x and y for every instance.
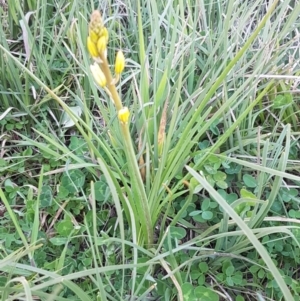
(97, 42)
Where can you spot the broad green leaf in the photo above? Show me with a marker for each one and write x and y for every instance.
(206, 294)
(210, 169)
(58, 240)
(247, 194)
(205, 204)
(204, 144)
(66, 121)
(222, 184)
(177, 232)
(188, 292)
(282, 100)
(46, 196)
(72, 180)
(100, 191)
(233, 169)
(195, 212)
(249, 181)
(207, 215)
(203, 266)
(62, 192)
(65, 227)
(219, 176)
(230, 270)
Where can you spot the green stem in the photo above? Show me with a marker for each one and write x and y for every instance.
(139, 199)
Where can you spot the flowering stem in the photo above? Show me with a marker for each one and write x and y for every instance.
(110, 82)
(97, 47)
(139, 199)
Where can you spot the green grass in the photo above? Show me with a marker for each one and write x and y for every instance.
(222, 190)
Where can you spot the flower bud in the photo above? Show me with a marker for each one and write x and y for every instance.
(92, 48)
(96, 23)
(123, 115)
(120, 62)
(105, 34)
(98, 75)
(101, 44)
(94, 36)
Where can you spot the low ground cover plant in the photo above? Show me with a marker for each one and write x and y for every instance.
(149, 151)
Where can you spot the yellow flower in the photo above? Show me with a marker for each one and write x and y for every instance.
(101, 44)
(123, 115)
(92, 48)
(98, 75)
(120, 62)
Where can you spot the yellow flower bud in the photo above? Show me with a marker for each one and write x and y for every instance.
(105, 34)
(101, 44)
(93, 36)
(123, 115)
(96, 17)
(120, 62)
(96, 23)
(98, 75)
(92, 48)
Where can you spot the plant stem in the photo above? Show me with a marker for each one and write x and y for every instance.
(110, 82)
(139, 199)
